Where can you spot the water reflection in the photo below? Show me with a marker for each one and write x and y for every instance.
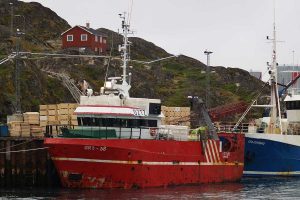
(255, 188)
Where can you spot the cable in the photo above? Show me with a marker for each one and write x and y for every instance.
(24, 150)
(17, 144)
(249, 107)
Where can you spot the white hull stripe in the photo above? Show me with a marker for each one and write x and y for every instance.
(205, 151)
(213, 151)
(217, 152)
(209, 152)
(141, 163)
(271, 173)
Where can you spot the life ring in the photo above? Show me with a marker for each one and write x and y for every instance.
(153, 131)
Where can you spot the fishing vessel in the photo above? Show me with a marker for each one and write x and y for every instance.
(272, 143)
(121, 143)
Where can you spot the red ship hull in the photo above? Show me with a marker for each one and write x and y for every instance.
(127, 163)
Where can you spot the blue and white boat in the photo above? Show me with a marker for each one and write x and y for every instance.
(272, 146)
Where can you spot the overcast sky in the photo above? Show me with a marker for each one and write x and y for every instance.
(235, 30)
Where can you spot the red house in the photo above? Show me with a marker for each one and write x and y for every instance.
(83, 38)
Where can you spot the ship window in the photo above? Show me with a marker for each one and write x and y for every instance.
(86, 121)
(79, 121)
(143, 122)
(293, 105)
(97, 122)
(124, 123)
(152, 123)
(116, 122)
(109, 122)
(133, 123)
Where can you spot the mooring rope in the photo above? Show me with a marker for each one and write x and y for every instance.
(24, 150)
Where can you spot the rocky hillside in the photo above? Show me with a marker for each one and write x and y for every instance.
(171, 80)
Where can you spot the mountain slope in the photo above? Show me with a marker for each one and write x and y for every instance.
(171, 80)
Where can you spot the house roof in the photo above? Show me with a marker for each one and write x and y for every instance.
(90, 30)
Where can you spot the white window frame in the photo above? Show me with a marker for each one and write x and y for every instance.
(82, 35)
(100, 38)
(96, 38)
(71, 38)
(104, 40)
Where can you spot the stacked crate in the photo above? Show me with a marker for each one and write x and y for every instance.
(72, 115)
(43, 117)
(33, 119)
(53, 114)
(14, 124)
(63, 113)
(58, 114)
(19, 129)
(176, 115)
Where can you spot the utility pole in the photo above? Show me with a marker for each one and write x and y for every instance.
(17, 75)
(207, 53)
(11, 19)
(24, 23)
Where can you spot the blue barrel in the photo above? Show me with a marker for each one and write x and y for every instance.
(3, 131)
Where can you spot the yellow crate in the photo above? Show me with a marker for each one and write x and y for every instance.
(64, 122)
(63, 111)
(52, 118)
(52, 107)
(73, 105)
(43, 107)
(74, 122)
(44, 112)
(52, 112)
(63, 106)
(63, 117)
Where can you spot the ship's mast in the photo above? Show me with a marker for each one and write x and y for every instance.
(275, 112)
(124, 47)
(125, 87)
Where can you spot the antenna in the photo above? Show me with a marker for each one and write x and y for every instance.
(275, 113)
(124, 46)
(130, 4)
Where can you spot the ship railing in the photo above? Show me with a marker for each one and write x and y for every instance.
(143, 132)
(229, 127)
(157, 133)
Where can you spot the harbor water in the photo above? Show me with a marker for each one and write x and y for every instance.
(250, 188)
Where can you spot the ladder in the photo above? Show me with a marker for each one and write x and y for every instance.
(68, 83)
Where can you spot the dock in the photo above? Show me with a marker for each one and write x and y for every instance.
(24, 162)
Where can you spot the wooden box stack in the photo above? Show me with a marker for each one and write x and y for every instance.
(176, 115)
(63, 113)
(33, 120)
(52, 114)
(14, 124)
(19, 129)
(72, 115)
(43, 117)
(58, 114)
